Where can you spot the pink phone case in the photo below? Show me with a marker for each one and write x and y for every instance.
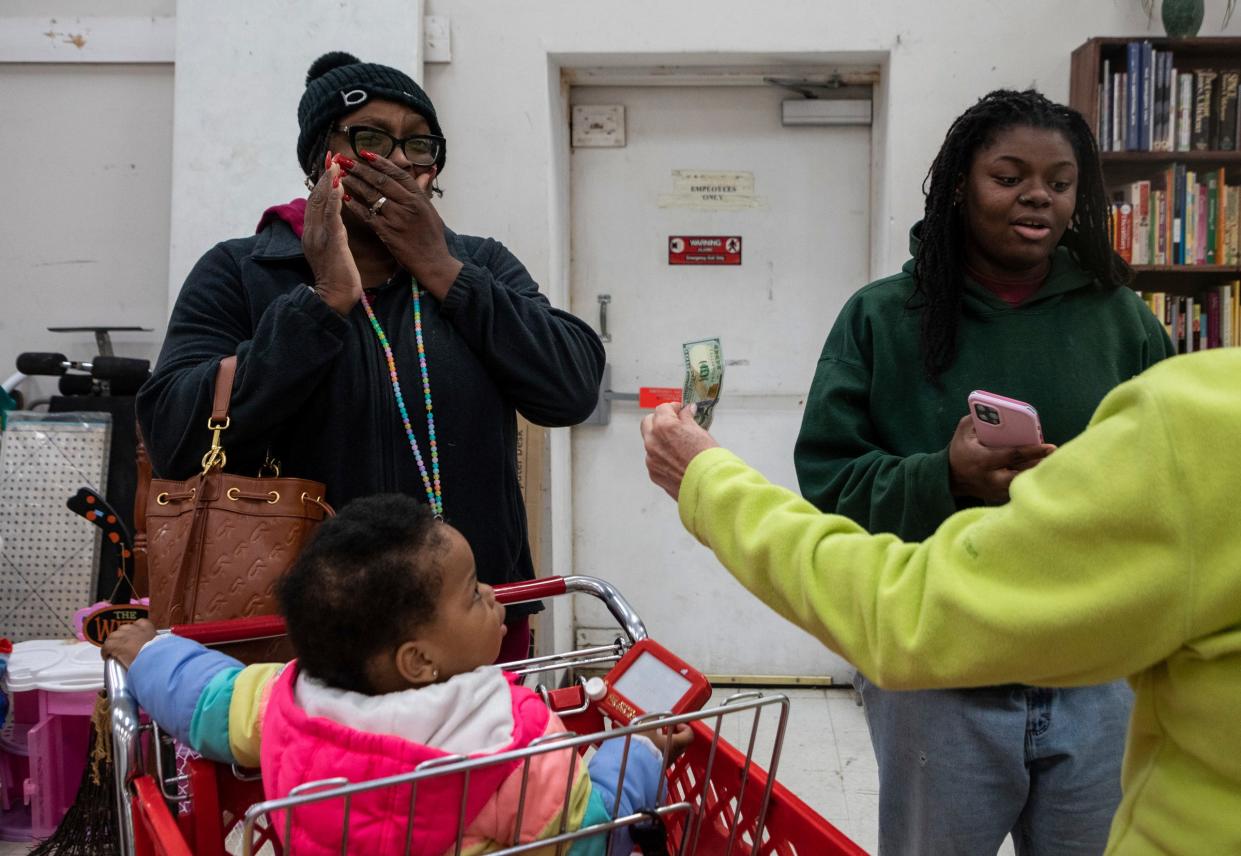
(1001, 422)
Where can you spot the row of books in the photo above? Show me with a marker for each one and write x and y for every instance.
(1183, 217)
(1147, 104)
(1210, 320)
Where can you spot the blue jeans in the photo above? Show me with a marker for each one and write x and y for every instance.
(961, 769)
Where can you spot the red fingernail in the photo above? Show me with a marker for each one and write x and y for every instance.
(336, 181)
(370, 156)
(347, 163)
(327, 160)
(346, 197)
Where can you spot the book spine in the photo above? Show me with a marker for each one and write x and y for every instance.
(1158, 227)
(1236, 312)
(1212, 219)
(1185, 111)
(1204, 101)
(1142, 223)
(1156, 122)
(1169, 191)
(1105, 108)
(1170, 106)
(1201, 212)
(1119, 88)
(1163, 68)
(1191, 216)
(1228, 85)
(1212, 339)
(1133, 87)
(1124, 229)
(1166, 111)
(1178, 214)
(1190, 313)
(1225, 318)
(1129, 198)
(1221, 216)
(1231, 219)
(1176, 323)
(1146, 97)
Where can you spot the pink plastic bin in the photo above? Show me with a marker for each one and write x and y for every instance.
(52, 687)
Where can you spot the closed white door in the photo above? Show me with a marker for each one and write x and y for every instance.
(707, 161)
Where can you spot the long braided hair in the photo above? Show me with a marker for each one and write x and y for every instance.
(940, 262)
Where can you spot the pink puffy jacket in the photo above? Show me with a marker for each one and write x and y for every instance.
(298, 748)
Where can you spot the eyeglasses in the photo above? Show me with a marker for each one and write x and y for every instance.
(420, 149)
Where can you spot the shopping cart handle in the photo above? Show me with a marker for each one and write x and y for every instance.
(261, 626)
(232, 630)
(530, 590)
(268, 626)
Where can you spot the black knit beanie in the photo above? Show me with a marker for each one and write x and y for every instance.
(339, 83)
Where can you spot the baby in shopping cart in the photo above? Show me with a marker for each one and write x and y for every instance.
(394, 638)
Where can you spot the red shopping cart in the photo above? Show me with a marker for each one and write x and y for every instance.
(717, 800)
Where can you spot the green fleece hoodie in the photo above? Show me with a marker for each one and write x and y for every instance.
(874, 438)
(1119, 555)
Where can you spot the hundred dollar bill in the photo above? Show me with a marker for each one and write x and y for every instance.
(704, 376)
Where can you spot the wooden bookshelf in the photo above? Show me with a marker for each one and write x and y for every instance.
(1176, 293)
(1182, 279)
(1191, 54)
(1123, 167)
(1149, 159)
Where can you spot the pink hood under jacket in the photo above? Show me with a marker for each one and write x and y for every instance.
(298, 748)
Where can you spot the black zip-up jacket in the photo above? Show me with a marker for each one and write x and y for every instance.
(314, 388)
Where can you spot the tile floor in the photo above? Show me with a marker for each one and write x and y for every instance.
(826, 760)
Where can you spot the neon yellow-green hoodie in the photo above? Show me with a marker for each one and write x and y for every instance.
(1119, 555)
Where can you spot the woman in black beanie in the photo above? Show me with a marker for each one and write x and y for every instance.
(377, 349)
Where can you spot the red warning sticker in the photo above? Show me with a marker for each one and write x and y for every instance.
(704, 250)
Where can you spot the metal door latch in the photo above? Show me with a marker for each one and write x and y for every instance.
(604, 300)
(602, 413)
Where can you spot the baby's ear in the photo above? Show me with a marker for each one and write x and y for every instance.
(414, 666)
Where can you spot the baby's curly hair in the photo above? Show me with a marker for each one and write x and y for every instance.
(368, 580)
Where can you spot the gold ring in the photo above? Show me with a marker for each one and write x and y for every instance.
(379, 203)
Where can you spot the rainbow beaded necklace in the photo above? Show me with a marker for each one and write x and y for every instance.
(430, 482)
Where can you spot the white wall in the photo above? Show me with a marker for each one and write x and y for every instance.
(84, 227)
(241, 69)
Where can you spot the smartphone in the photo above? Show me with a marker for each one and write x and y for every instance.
(1001, 422)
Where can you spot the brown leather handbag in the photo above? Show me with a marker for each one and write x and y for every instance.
(217, 543)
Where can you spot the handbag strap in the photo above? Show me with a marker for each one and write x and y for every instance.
(142, 489)
(224, 376)
(188, 568)
(215, 458)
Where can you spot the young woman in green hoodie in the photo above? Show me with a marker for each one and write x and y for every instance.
(1013, 288)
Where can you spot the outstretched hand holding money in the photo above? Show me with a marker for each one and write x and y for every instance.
(673, 438)
(704, 377)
